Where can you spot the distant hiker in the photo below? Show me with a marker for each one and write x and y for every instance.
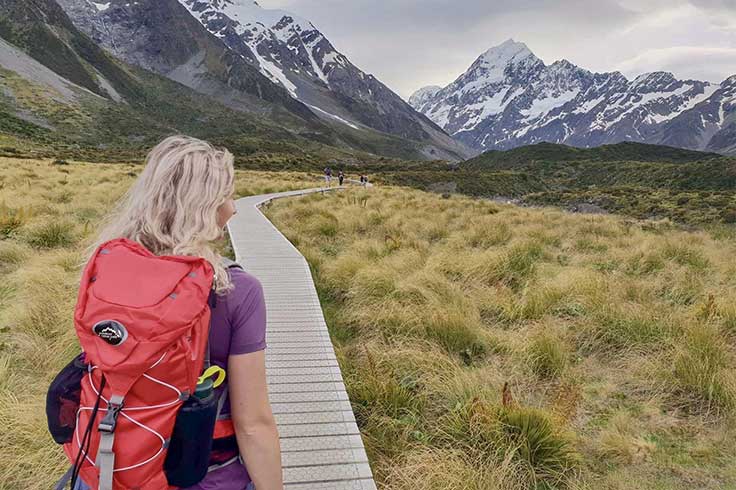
(158, 305)
(341, 177)
(328, 175)
(362, 179)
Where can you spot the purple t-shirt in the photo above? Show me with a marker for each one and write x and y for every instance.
(238, 326)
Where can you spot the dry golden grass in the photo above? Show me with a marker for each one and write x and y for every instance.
(47, 212)
(616, 338)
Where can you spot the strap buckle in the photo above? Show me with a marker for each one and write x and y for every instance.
(110, 420)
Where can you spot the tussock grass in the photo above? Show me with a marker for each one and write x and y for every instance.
(703, 369)
(428, 469)
(547, 355)
(616, 337)
(12, 255)
(543, 454)
(47, 211)
(50, 234)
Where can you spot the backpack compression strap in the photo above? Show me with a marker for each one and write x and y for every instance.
(105, 455)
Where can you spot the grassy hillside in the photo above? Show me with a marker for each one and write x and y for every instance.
(551, 152)
(637, 180)
(616, 338)
(47, 212)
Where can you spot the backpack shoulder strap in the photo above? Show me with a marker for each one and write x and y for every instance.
(231, 264)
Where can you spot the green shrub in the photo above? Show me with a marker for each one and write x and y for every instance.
(11, 255)
(376, 389)
(11, 220)
(326, 224)
(513, 268)
(520, 264)
(643, 264)
(489, 235)
(629, 331)
(728, 216)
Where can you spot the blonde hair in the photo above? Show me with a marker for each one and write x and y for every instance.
(172, 207)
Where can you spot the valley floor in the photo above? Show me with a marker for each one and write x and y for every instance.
(616, 338)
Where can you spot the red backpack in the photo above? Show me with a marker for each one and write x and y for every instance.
(143, 324)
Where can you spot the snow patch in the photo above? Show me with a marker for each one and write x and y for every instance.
(541, 107)
(333, 116)
(333, 57)
(490, 106)
(101, 7)
(276, 74)
(589, 105)
(685, 106)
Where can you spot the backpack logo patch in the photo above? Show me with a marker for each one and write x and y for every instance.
(111, 331)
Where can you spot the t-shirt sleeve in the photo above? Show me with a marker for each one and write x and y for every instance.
(247, 315)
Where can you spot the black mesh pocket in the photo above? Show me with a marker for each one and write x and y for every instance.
(62, 400)
(191, 442)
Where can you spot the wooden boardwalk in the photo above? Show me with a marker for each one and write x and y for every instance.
(320, 442)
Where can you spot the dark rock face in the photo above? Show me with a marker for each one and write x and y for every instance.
(161, 36)
(510, 98)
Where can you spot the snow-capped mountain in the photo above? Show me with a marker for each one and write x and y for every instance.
(161, 36)
(238, 52)
(509, 97)
(293, 53)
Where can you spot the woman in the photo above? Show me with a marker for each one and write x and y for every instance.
(179, 206)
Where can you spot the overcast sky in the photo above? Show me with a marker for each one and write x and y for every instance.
(408, 44)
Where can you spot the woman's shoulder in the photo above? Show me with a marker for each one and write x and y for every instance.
(244, 284)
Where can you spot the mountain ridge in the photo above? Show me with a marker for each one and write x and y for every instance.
(114, 110)
(508, 98)
(292, 52)
(210, 46)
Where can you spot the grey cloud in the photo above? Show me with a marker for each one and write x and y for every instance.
(718, 63)
(411, 43)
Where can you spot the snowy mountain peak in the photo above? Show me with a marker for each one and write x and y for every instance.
(654, 79)
(245, 14)
(564, 65)
(507, 52)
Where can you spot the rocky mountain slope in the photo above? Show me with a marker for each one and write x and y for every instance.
(161, 36)
(236, 51)
(509, 97)
(60, 93)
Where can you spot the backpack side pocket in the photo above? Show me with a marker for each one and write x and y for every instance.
(62, 400)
